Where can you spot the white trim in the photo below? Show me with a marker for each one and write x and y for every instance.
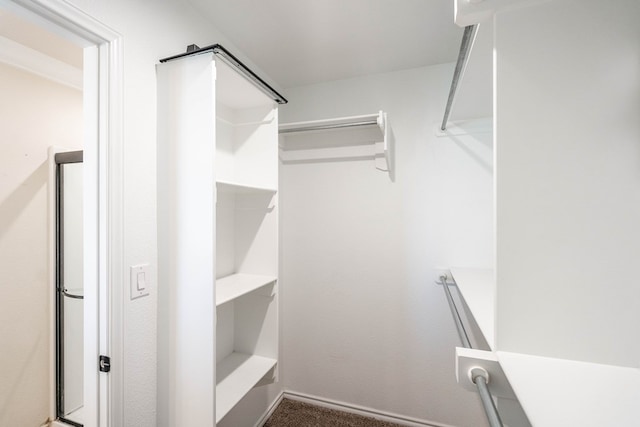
(35, 62)
(360, 410)
(263, 419)
(103, 195)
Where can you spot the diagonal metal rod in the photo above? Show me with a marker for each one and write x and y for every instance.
(456, 315)
(468, 37)
(487, 402)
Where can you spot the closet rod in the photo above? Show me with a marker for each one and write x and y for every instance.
(329, 126)
(468, 37)
(230, 59)
(479, 380)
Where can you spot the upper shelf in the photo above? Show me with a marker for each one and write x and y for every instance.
(477, 287)
(342, 138)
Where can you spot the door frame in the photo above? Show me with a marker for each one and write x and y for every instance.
(103, 201)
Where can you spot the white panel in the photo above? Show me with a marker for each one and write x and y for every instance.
(567, 159)
(256, 325)
(257, 234)
(256, 154)
(225, 165)
(186, 218)
(225, 315)
(556, 392)
(225, 234)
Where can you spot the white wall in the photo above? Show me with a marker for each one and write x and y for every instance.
(34, 114)
(568, 163)
(363, 322)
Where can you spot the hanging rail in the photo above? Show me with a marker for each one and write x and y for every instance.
(338, 123)
(468, 38)
(478, 378)
(230, 59)
(328, 127)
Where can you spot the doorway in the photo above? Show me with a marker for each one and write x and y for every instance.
(101, 180)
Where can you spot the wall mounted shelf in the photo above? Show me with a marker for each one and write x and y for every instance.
(366, 137)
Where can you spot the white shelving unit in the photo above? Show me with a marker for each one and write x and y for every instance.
(566, 306)
(246, 175)
(217, 239)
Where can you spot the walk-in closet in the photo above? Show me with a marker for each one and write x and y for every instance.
(315, 213)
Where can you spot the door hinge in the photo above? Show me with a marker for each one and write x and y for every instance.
(105, 363)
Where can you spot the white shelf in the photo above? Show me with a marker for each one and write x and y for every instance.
(337, 139)
(236, 375)
(477, 287)
(559, 392)
(242, 188)
(234, 286)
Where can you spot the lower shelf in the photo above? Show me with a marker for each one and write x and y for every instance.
(236, 375)
(560, 392)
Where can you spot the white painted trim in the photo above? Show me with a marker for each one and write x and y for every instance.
(103, 148)
(361, 410)
(263, 419)
(35, 62)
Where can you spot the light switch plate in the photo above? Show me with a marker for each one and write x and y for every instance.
(139, 280)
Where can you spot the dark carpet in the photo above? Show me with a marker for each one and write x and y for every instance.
(290, 413)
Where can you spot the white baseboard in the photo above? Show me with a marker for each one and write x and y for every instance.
(353, 409)
(263, 419)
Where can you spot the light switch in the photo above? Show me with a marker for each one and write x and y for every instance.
(139, 280)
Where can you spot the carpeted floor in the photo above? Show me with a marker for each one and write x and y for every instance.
(292, 413)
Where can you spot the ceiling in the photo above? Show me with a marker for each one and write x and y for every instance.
(302, 42)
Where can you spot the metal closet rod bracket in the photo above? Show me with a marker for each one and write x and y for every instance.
(230, 59)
